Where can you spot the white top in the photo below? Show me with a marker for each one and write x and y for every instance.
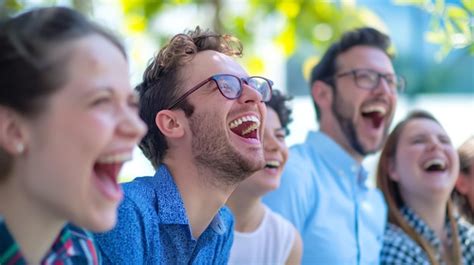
(269, 244)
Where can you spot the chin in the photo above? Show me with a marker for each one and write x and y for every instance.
(100, 222)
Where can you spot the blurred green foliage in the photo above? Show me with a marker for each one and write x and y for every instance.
(451, 25)
(299, 25)
(288, 23)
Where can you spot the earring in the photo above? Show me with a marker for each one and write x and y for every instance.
(20, 148)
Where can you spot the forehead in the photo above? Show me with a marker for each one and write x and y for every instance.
(422, 126)
(96, 62)
(365, 57)
(208, 63)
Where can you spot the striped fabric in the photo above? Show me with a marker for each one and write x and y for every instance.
(73, 246)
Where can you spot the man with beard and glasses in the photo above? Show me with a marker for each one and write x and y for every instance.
(205, 118)
(324, 189)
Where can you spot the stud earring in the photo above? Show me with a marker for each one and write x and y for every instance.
(20, 148)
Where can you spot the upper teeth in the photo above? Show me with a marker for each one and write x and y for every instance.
(116, 158)
(241, 120)
(375, 108)
(435, 162)
(273, 163)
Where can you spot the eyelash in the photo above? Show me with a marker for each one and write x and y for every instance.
(101, 100)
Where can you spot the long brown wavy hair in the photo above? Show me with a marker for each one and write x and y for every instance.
(394, 200)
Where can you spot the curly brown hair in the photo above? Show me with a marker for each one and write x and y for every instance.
(162, 81)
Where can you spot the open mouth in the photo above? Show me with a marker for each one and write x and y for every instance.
(246, 127)
(375, 114)
(435, 165)
(272, 164)
(106, 170)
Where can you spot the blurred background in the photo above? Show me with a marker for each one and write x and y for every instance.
(283, 39)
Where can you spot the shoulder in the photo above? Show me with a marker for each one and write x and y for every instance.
(376, 198)
(399, 248)
(140, 189)
(77, 244)
(466, 233)
(137, 226)
(280, 224)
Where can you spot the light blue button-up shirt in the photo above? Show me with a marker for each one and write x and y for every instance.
(153, 228)
(323, 192)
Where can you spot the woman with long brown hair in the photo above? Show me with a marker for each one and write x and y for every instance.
(416, 173)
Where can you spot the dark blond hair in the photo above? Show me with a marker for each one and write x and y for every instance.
(391, 192)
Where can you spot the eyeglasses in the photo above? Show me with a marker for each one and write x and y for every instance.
(230, 87)
(370, 79)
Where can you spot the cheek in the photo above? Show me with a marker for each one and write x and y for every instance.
(284, 153)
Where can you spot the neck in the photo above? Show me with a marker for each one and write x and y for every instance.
(202, 200)
(248, 211)
(432, 212)
(32, 226)
(338, 136)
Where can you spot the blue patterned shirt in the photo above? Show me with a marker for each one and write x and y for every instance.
(153, 228)
(324, 193)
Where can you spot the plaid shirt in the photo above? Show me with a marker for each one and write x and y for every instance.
(399, 248)
(73, 246)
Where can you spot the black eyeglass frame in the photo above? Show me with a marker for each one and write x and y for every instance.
(215, 79)
(400, 80)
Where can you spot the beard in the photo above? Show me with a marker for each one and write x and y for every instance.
(214, 152)
(343, 115)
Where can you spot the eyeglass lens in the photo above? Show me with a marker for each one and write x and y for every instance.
(371, 79)
(231, 86)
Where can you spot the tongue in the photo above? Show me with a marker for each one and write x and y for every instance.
(109, 170)
(107, 178)
(375, 117)
(242, 128)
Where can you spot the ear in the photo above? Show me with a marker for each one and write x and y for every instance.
(392, 171)
(170, 123)
(462, 184)
(322, 94)
(12, 132)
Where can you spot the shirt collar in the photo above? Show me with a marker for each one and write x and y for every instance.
(171, 208)
(328, 149)
(170, 204)
(422, 228)
(9, 249)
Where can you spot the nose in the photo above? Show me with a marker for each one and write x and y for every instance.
(434, 143)
(131, 125)
(383, 87)
(270, 143)
(249, 94)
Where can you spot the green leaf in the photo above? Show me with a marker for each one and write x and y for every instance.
(468, 4)
(455, 12)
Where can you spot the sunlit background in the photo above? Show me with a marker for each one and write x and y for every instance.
(433, 47)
